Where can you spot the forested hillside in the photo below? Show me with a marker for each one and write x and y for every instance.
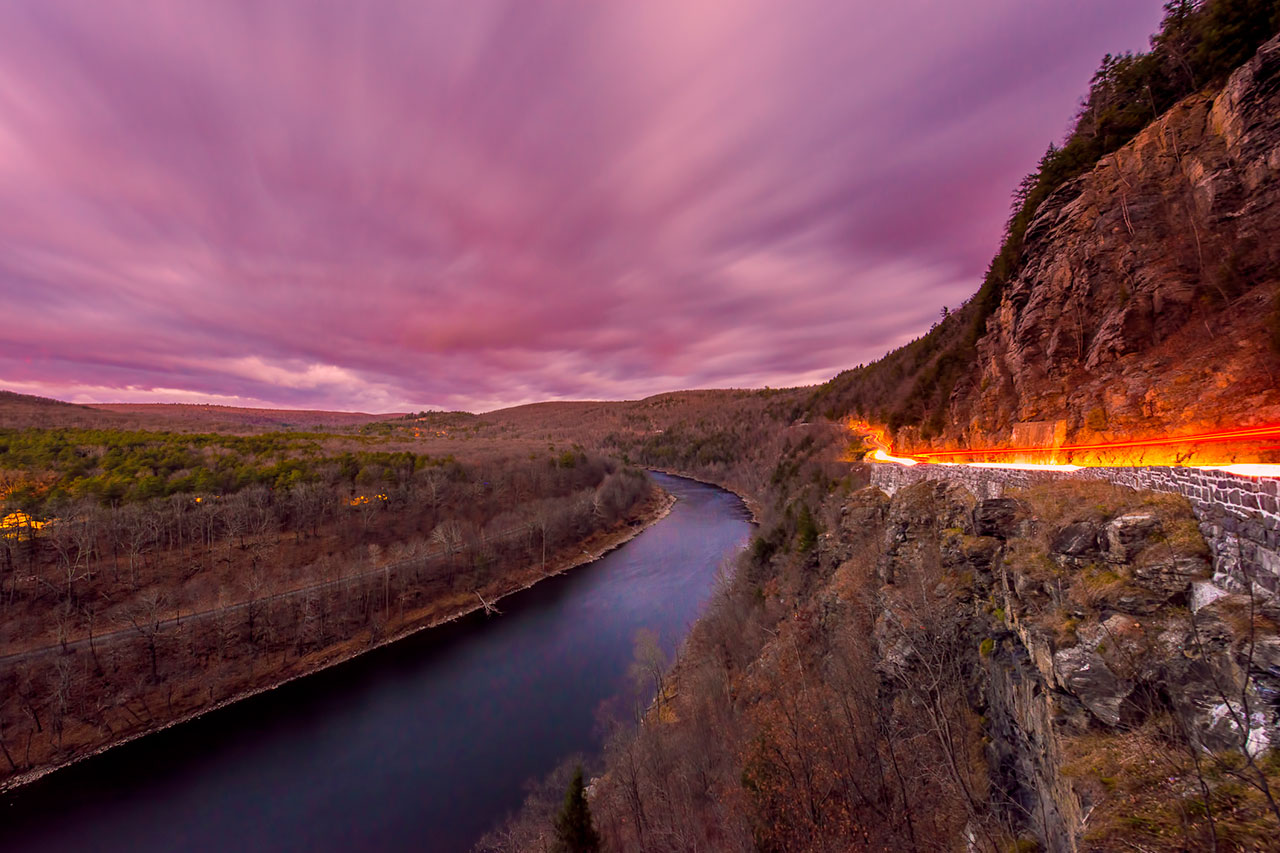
(147, 576)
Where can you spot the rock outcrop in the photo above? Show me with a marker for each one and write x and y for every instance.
(1146, 284)
(1074, 611)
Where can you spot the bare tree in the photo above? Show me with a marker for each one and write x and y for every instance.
(145, 616)
(255, 585)
(59, 698)
(648, 666)
(448, 537)
(136, 538)
(73, 546)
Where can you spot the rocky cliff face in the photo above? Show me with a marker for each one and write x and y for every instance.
(1113, 701)
(1148, 283)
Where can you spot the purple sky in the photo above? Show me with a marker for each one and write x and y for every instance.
(399, 205)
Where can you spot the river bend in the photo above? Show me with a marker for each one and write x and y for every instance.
(421, 745)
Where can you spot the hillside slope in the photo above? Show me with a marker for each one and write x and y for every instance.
(936, 672)
(188, 416)
(19, 411)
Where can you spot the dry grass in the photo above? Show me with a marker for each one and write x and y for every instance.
(1031, 558)
(1245, 619)
(1060, 503)
(1063, 626)
(1147, 794)
(1133, 779)
(1098, 584)
(1183, 537)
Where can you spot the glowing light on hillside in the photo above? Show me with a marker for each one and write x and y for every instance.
(881, 455)
(18, 525)
(880, 441)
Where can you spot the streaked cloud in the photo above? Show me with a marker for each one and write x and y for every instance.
(405, 204)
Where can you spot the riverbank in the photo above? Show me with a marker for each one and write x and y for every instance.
(423, 744)
(440, 611)
(748, 501)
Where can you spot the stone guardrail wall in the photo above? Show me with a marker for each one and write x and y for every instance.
(1239, 516)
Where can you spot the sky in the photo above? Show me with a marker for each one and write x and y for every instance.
(390, 206)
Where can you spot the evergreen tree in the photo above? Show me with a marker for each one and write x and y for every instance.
(574, 831)
(806, 530)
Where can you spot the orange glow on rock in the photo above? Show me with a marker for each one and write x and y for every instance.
(1217, 436)
(1177, 450)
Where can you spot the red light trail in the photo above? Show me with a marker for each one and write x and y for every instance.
(1137, 448)
(1217, 436)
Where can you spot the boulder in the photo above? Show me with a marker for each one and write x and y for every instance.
(1204, 593)
(1170, 577)
(1086, 675)
(1265, 668)
(998, 517)
(1138, 601)
(1206, 693)
(1128, 534)
(1077, 540)
(865, 509)
(978, 553)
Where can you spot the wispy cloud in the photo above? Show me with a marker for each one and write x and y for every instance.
(406, 204)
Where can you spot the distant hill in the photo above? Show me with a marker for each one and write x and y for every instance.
(592, 420)
(191, 416)
(556, 421)
(18, 411)
(25, 410)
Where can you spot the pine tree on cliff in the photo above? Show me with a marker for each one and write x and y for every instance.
(574, 831)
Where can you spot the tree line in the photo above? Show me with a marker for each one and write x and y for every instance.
(42, 471)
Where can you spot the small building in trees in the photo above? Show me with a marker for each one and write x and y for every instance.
(20, 526)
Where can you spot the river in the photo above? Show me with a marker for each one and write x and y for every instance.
(421, 745)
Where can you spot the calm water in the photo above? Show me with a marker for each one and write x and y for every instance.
(419, 746)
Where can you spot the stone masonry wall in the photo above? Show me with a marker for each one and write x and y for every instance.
(1239, 516)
